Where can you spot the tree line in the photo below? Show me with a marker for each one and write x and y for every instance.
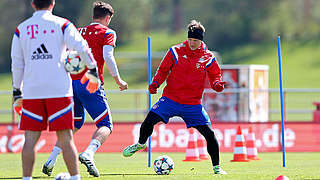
(228, 23)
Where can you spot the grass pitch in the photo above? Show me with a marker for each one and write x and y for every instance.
(114, 166)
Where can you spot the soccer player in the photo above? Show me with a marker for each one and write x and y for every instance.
(184, 68)
(102, 41)
(38, 51)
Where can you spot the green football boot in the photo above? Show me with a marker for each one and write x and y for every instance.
(218, 170)
(130, 150)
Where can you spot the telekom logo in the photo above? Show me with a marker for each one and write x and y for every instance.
(32, 29)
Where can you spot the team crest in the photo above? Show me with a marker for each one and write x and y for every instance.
(200, 66)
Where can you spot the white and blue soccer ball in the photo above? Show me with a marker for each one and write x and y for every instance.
(73, 63)
(62, 176)
(163, 165)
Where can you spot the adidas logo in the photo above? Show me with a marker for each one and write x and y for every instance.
(41, 53)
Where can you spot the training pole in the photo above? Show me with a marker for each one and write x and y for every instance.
(282, 107)
(149, 98)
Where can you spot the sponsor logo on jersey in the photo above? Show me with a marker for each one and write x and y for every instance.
(41, 53)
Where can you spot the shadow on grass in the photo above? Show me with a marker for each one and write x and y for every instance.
(111, 174)
(129, 174)
(34, 177)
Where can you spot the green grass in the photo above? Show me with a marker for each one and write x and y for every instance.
(114, 166)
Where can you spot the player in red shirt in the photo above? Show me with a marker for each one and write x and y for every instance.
(184, 68)
(102, 41)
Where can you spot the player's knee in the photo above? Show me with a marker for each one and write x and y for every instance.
(152, 119)
(64, 135)
(106, 129)
(206, 131)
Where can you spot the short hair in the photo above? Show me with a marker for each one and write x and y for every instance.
(41, 4)
(102, 9)
(195, 25)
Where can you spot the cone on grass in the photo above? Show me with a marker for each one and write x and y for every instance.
(251, 146)
(202, 146)
(240, 150)
(282, 177)
(192, 151)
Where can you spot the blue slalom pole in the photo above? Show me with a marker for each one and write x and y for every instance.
(282, 108)
(149, 99)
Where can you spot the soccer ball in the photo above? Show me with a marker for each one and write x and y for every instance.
(163, 165)
(62, 176)
(73, 64)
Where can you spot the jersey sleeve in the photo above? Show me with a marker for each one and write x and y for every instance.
(110, 38)
(110, 60)
(75, 41)
(164, 68)
(17, 64)
(214, 71)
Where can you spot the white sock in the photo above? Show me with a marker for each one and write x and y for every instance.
(54, 155)
(26, 178)
(93, 147)
(75, 177)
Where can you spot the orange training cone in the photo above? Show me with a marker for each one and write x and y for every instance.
(202, 146)
(251, 146)
(192, 151)
(240, 151)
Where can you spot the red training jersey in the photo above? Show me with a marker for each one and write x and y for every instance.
(185, 72)
(97, 36)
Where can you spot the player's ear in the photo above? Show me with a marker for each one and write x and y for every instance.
(52, 5)
(33, 6)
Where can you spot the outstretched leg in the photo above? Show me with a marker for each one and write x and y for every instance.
(146, 130)
(86, 157)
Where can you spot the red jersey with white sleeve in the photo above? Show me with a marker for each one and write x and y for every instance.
(97, 36)
(38, 53)
(185, 71)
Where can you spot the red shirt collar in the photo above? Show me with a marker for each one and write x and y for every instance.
(198, 50)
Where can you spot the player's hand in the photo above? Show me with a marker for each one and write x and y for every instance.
(94, 81)
(122, 85)
(153, 88)
(219, 86)
(17, 101)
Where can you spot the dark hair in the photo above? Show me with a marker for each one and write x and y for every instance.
(195, 25)
(102, 9)
(41, 4)
(195, 30)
